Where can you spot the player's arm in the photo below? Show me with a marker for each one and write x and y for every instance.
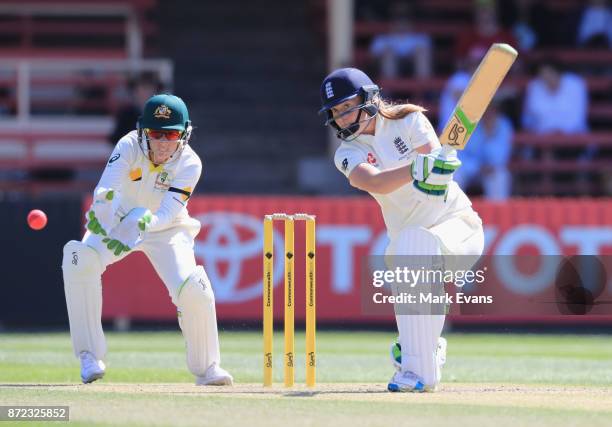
(101, 215)
(368, 178)
(118, 166)
(432, 170)
(177, 197)
(130, 231)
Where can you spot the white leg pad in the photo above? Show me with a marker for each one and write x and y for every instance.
(419, 333)
(419, 339)
(198, 321)
(83, 288)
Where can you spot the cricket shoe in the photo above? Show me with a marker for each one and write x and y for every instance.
(215, 375)
(91, 368)
(406, 382)
(441, 352)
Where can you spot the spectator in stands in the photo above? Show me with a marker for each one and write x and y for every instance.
(90, 94)
(485, 159)
(401, 45)
(451, 93)
(537, 23)
(595, 28)
(522, 28)
(485, 32)
(367, 10)
(455, 86)
(555, 101)
(140, 89)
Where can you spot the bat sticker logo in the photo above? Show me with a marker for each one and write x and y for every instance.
(454, 134)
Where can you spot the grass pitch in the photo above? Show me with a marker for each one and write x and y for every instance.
(505, 380)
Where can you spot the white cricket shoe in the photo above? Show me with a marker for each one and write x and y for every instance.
(441, 352)
(215, 375)
(91, 368)
(440, 361)
(406, 382)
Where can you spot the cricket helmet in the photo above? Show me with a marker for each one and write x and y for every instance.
(165, 112)
(345, 84)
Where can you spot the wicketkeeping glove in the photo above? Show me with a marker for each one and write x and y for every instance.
(100, 215)
(129, 232)
(434, 171)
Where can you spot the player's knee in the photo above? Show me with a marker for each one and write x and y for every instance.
(196, 292)
(416, 241)
(80, 261)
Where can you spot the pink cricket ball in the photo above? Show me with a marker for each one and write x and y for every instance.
(37, 219)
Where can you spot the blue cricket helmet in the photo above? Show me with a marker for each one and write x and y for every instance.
(342, 85)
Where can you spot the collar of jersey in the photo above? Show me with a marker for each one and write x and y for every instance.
(155, 168)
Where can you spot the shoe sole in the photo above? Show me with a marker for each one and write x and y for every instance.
(221, 381)
(394, 388)
(92, 378)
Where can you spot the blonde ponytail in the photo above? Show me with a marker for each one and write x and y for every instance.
(390, 110)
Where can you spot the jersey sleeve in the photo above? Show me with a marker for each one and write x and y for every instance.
(347, 158)
(420, 131)
(118, 165)
(177, 196)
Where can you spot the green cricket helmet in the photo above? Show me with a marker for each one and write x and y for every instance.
(165, 112)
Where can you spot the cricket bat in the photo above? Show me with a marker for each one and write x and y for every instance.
(477, 96)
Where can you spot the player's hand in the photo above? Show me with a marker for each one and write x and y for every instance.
(130, 231)
(115, 246)
(433, 172)
(100, 215)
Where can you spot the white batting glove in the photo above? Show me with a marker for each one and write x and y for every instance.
(433, 172)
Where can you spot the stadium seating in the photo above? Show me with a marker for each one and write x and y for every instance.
(444, 20)
(64, 74)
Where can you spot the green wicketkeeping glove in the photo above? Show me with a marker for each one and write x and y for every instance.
(129, 232)
(99, 216)
(116, 246)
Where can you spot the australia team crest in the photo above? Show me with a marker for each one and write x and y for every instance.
(162, 112)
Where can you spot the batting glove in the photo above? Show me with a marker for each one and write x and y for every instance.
(433, 172)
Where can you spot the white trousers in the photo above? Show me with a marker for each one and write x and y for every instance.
(169, 251)
(457, 240)
(171, 254)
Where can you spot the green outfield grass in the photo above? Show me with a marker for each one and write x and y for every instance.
(489, 378)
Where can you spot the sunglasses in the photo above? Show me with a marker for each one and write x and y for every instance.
(169, 135)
